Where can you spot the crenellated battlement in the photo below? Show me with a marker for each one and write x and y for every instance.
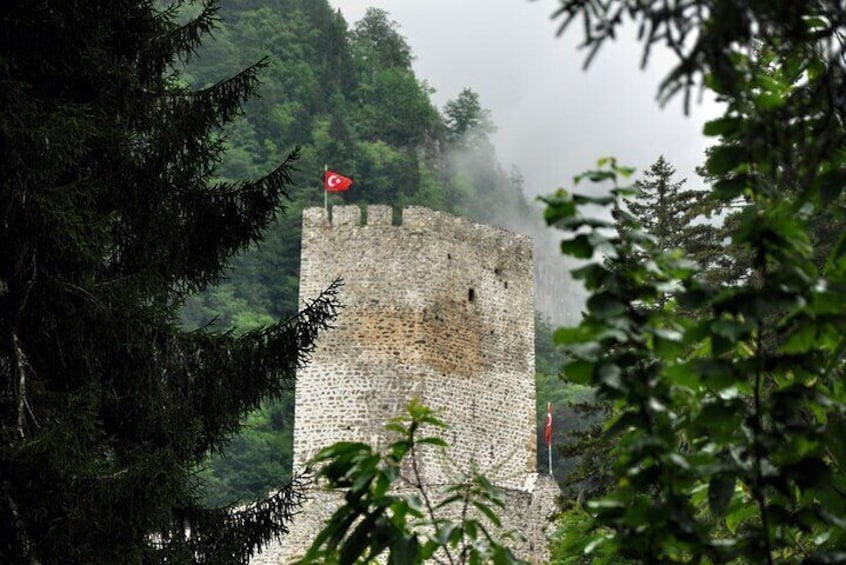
(416, 219)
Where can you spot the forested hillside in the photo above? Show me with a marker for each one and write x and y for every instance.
(347, 97)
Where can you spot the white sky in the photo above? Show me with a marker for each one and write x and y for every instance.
(554, 119)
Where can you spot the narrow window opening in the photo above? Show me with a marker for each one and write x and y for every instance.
(471, 295)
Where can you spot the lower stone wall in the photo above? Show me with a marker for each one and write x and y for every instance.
(527, 514)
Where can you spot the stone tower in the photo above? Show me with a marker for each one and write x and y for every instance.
(438, 308)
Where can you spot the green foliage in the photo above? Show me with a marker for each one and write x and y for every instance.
(256, 460)
(675, 217)
(111, 216)
(578, 541)
(388, 508)
(719, 434)
(731, 421)
(466, 121)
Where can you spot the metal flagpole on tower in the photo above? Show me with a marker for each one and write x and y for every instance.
(549, 450)
(548, 433)
(325, 195)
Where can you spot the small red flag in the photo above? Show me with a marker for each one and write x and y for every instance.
(548, 430)
(333, 182)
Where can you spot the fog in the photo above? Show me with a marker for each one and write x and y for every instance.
(555, 119)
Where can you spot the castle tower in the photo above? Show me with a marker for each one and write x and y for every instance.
(440, 309)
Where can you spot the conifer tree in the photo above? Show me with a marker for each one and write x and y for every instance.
(672, 214)
(109, 218)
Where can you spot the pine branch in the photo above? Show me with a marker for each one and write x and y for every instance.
(228, 217)
(182, 40)
(210, 108)
(23, 541)
(23, 406)
(234, 535)
(212, 365)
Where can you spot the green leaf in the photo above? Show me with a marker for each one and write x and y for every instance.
(490, 514)
(609, 375)
(594, 543)
(731, 329)
(433, 441)
(625, 172)
(358, 541)
(594, 275)
(730, 188)
(725, 126)
(578, 247)
(720, 491)
(581, 199)
(595, 176)
(588, 350)
(668, 343)
(723, 159)
(559, 206)
(683, 375)
(399, 449)
(831, 184)
(802, 339)
(736, 517)
(606, 305)
(769, 100)
(567, 335)
(579, 372)
(405, 550)
(381, 484)
(444, 533)
(716, 373)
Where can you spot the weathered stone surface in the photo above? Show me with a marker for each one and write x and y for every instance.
(440, 309)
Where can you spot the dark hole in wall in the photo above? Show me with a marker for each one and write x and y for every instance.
(471, 295)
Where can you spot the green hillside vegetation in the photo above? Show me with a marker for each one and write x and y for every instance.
(348, 98)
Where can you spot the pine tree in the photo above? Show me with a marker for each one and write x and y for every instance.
(666, 210)
(109, 218)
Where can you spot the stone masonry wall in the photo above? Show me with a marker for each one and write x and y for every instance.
(439, 308)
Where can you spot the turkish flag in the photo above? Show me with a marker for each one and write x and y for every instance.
(548, 430)
(333, 182)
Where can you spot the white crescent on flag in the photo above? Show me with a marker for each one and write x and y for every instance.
(333, 180)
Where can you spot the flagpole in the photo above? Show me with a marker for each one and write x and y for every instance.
(549, 449)
(325, 193)
(549, 434)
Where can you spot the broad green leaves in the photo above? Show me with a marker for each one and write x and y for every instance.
(388, 510)
(732, 442)
(727, 411)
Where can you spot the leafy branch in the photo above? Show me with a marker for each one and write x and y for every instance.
(385, 510)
